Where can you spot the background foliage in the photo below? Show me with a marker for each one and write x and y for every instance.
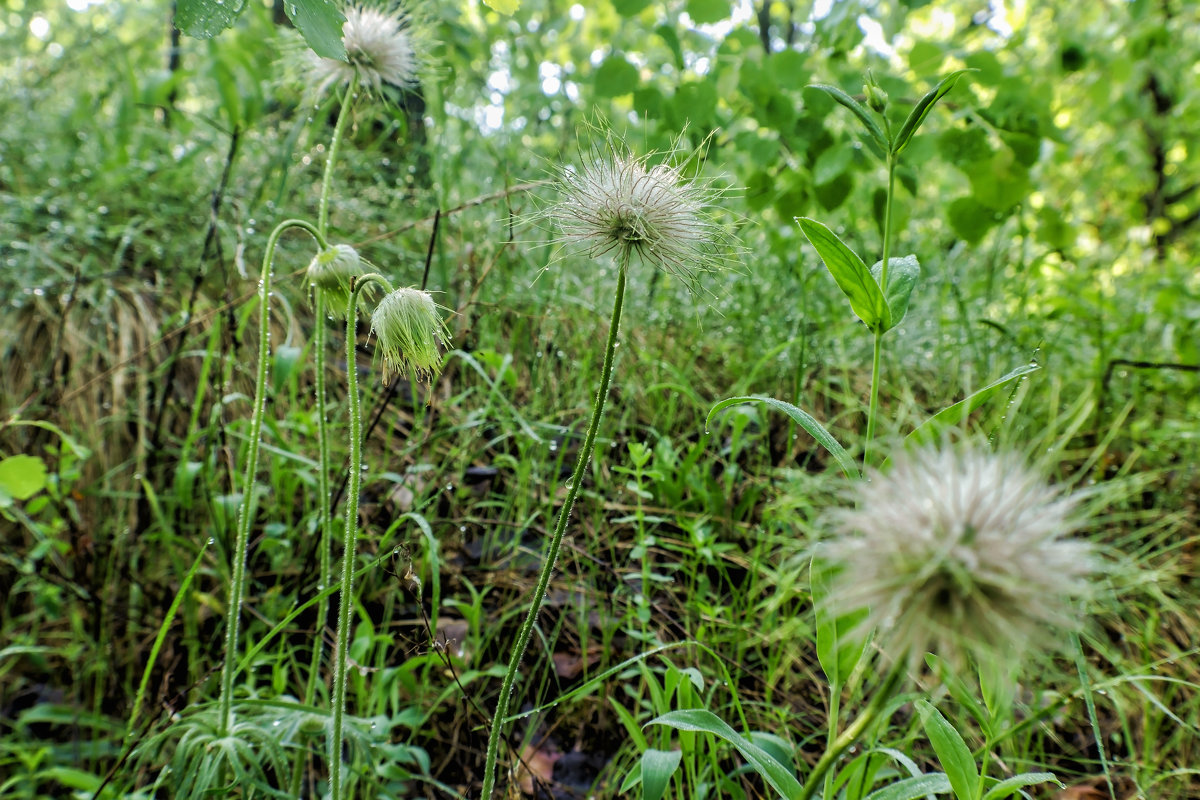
(1054, 199)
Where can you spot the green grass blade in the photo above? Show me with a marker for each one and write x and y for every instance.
(801, 418)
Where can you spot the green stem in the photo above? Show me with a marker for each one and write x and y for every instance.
(876, 359)
(241, 544)
(334, 145)
(350, 543)
(560, 527)
(854, 731)
(324, 522)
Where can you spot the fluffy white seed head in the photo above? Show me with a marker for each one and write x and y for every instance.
(385, 43)
(410, 331)
(619, 203)
(960, 553)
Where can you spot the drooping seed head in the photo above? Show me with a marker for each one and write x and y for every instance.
(410, 331)
(332, 272)
(621, 203)
(386, 44)
(960, 553)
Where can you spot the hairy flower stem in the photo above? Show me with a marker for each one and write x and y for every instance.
(353, 484)
(334, 146)
(876, 358)
(237, 580)
(560, 527)
(855, 730)
(324, 496)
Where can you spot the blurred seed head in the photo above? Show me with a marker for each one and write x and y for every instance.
(962, 553)
(410, 331)
(620, 203)
(386, 44)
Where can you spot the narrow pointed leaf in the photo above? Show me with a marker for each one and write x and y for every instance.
(851, 274)
(912, 788)
(922, 108)
(955, 414)
(801, 418)
(657, 768)
(859, 110)
(903, 274)
(700, 720)
(839, 644)
(1010, 786)
(952, 751)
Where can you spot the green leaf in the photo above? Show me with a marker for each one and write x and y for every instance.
(969, 218)
(320, 23)
(704, 12)
(506, 7)
(615, 77)
(859, 110)
(657, 768)
(952, 751)
(1010, 786)
(21, 476)
(912, 788)
(922, 108)
(838, 650)
(204, 19)
(627, 8)
(851, 274)
(801, 418)
(955, 414)
(903, 274)
(959, 691)
(700, 720)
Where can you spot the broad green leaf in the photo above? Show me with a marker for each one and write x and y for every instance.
(955, 414)
(912, 788)
(627, 8)
(838, 651)
(801, 418)
(969, 218)
(851, 274)
(952, 751)
(859, 110)
(615, 77)
(922, 108)
(657, 768)
(204, 19)
(320, 23)
(1010, 786)
(903, 274)
(22, 476)
(700, 720)
(704, 12)
(507, 7)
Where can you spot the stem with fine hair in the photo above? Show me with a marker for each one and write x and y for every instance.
(241, 544)
(876, 359)
(354, 480)
(324, 495)
(560, 527)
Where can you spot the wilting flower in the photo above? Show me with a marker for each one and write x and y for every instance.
(410, 330)
(333, 271)
(619, 203)
(385, 44)
(960, 553)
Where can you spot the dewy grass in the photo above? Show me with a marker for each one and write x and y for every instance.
(616, 204)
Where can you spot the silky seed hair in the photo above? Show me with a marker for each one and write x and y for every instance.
(963, 553)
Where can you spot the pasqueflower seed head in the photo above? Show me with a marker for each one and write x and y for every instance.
(385, 44)
(960, 553)
(619, 203)
(333, 272)
(410, 331)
